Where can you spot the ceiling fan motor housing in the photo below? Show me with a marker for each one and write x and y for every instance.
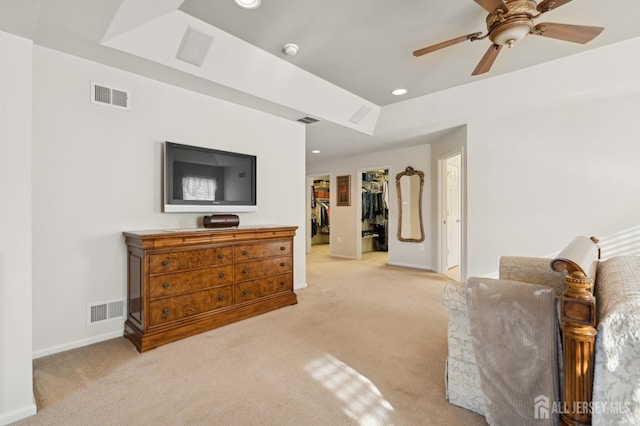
(512, 26)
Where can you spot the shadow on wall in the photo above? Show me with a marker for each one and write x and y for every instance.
(625, 242)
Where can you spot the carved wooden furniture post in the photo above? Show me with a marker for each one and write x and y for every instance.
(578, 324)
(578, 320)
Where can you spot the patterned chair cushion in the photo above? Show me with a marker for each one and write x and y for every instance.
(616, 385)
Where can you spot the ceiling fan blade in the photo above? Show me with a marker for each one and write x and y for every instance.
(547, 5)
(492, 5)
(487, 60)
(574, 33)
(444, 44)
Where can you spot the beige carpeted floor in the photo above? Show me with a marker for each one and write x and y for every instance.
(366, 345)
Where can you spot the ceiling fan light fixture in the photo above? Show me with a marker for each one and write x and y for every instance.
(248, 4)
(511, 33)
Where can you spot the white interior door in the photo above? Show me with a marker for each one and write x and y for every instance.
(453, 212)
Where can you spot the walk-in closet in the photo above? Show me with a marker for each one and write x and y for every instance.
(320, 222)
(375, 210)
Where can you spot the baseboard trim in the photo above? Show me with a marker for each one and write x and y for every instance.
(410, 265)
(300, 286)
(341, 256)
(95, 339)
(19, 413)
(77, 344)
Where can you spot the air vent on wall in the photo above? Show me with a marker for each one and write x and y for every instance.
(308, 120)
(99, 312)
(108, 96)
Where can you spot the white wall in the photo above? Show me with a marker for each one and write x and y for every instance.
(16, 394)
(97, 172)
(582, 77)
(344, 219)
(537, 180)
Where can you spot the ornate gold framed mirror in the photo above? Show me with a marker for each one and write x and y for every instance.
(409, 185)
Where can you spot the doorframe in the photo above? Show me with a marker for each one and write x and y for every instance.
(442, 212)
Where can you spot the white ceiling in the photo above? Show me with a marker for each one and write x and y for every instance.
(362, 46)
(365, 46)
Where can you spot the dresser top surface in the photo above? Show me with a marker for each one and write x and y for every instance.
(159, 233)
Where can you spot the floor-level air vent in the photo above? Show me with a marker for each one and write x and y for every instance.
(308, 120)
(108, 96)
(107, 310)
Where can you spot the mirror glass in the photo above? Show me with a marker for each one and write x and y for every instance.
(409, 185)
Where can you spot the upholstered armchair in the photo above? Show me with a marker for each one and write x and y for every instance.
(462, 375)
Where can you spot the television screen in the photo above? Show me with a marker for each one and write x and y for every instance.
(208, 180)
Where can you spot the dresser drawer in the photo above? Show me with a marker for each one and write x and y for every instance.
(262, 268)
(170, 309)
(261, 250)
(255, 289)
(184, 282)
(161, 263)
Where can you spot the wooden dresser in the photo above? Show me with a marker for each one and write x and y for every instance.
(186, 281)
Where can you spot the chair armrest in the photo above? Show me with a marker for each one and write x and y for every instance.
(532, 270)
(454, 296)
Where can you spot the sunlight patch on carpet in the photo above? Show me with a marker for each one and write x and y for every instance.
(364, 401)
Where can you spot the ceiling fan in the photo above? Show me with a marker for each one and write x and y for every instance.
(509, 21)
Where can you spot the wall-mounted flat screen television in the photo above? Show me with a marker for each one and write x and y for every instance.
(203, 180)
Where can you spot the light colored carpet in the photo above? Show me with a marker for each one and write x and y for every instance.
(366, 345)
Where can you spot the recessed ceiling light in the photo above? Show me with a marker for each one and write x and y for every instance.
(248, 4)
(315, 151)
(399, 92)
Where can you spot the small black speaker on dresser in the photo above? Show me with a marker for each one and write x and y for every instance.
(221, 221)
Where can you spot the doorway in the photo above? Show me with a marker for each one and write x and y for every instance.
(373, 216)
(318, 212)
(451, 212)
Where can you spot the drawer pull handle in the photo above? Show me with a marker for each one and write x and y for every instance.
(245, 292)
(283, 248)
(245, 271)
(282, 283)
(244, 252)
(220, 297)
(221, 256)
(165, 263)
(165, 311)
(221, 275)
(283, 264)
(165, 285)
